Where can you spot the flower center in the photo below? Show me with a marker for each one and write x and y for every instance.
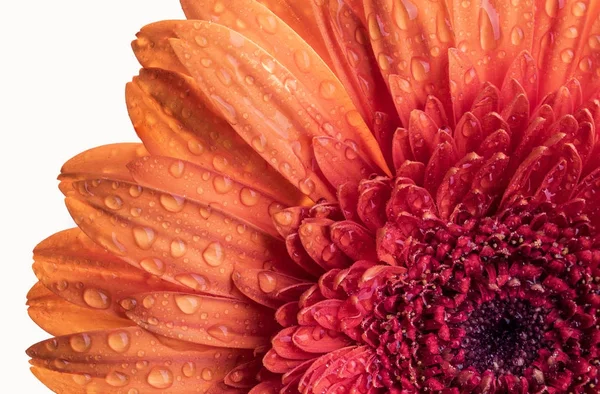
(503, 335)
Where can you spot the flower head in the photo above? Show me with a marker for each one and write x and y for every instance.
(339, 197)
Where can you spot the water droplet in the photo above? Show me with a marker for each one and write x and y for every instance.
(403, 12)
(469, 76)
(594, 41)
(214, 254)
(193, 281)
(227, 109)
(135, 191)
(268, 64)
(188, 369)
(201, 41)
(248, 197)
(443, 30)
(82, 380)
(188, 304)
(205, 212)
(224, 76)
(178, 248)
(307, 186)
(373, 27)
(176, 169)
(148, 301)
(567, 56)
(207, 374)
(327, 89)
(95, 298)
(489, 26)
(419, 67)
(117, 379)
(195, 147)
(220, 332)
(302, 60)
(585, 64)
(516, 35)
(119, 341)
(571, 32)
(220, 163)
(578, 9)
(113, 202)
(259, 143)
(128, 303)
(222, 184)
(172, 203)
(160, 377)
(153, 266)
(144, 237)
(267, 282)
(383, 61)
(61, 285)
(80, 343)
(267, 22)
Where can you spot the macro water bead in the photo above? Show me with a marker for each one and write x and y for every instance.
(338, 197)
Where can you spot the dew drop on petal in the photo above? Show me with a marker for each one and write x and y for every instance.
(220, 332)
(214, 254)
(193, 281)
(119, 341)
(95, 298)
(160, 378)
(222, 184)
(172, 203)
(178, 248)
(188, 304)
(267, 23)
(207, 374)
(80, 343)
(176, 169)
(153, 266)
(117, 379)
(419, 68)
(144, 237)
(248, 197)
(516, 35)
(267, 282)
(302, 60)
(188, 369)
(113, 202)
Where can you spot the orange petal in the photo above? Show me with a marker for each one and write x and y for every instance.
(208, 188)
(464, 82)
(333, 155)
(156, 362)
(58, 316)
(492, 33)
(103, 162)
(174, 118)
(182, 241)
(343, 29)
(298, 15)
(152, 48)
(586, 69)
(411, 40)
(561, 31)
(262, 286)
(81, 272)
(301, 110)
(202, 319)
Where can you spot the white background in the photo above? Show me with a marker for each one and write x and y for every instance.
(63, 69)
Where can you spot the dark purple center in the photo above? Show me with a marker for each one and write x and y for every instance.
(504, 336)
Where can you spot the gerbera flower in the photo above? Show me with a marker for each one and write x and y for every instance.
(339, 197)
